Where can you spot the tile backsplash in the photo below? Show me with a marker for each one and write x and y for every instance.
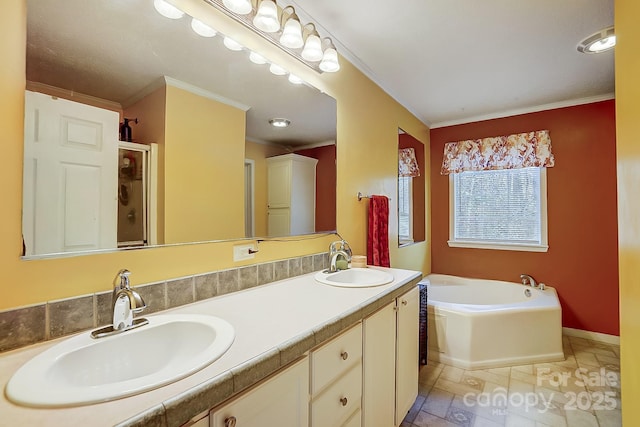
(40, 322)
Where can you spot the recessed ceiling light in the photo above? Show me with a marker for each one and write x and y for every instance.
(280, 123)
(601, 41)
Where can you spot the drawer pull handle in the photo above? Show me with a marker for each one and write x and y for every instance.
(344, 401)
(404, 302)
(344, 355)
(230, 422)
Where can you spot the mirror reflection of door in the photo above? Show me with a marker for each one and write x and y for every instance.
(133, 194)
(69, 189)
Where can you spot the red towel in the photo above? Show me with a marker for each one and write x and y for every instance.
(378, 237)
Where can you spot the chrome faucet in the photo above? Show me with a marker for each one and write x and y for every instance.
(333, 261)
(336, 249)
(125, 302)
(528, 280)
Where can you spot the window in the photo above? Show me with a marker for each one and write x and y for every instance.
(405, 208)
(499, 209)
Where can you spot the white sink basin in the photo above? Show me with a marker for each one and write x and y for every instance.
(355, 278)
(83, 370)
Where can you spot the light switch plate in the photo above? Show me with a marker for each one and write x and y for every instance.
(241, 252)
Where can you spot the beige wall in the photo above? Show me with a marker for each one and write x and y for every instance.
(203, 166)
(368, 121)
(628, 152)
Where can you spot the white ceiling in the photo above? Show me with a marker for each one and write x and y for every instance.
(453, 61)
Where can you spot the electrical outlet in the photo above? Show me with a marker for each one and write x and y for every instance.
(242, 252)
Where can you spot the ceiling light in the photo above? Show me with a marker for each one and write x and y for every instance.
(599, 42)
(312, 46)
(231, 44)
(241, 7)
(167, 10)
(330, 62)
(279, 123)
(292, 31)
(266, 18)
(257, 59)
(295, 79)
(277, 70)
(202, 29)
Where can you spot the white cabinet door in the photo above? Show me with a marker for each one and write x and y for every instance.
(282, 400)
(279, 185)
(279, 222)
(379, 368)
(407, 357)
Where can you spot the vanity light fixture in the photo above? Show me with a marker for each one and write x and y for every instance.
(231, 44)
(329, 61)
(167, 10)
(202, 29)
(283, 28)
(601, 41)
(312, 50)
(277, 70)
(257, 58)
(291, 30)
(241, 7)
(266, 18)
(295, 79)
(279, 122)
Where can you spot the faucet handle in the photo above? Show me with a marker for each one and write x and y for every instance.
(123, 276)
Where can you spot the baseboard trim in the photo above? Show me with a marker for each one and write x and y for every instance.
(594, 336)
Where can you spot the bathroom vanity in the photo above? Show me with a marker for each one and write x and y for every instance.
(305, 354)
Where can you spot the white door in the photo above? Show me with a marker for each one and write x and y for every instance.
(70, 176)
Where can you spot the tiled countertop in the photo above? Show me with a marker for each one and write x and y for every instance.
(275, 324)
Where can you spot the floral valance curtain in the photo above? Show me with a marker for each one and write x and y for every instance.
(520, 150)
(407, 163)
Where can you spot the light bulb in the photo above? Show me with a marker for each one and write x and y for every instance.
(257, 59)
(241, 7)
(231, 44)
(604, 44)
(277, 70)
(202, 29)
(312, 48)
(292, 34)
(266, 18)
(167, 10)
(295, 79)
(330, 62)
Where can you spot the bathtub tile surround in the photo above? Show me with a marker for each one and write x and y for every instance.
(28, 325)
(451, 396)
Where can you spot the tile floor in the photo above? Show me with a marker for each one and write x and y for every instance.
(583, 390)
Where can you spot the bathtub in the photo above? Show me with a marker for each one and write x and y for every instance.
(478, 324)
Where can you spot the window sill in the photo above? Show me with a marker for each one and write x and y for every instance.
(497, 246)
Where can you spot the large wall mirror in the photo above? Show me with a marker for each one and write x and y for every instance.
(140, 132)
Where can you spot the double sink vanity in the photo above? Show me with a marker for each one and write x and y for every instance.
(320, 349)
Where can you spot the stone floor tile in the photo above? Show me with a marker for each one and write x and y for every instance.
(437, 402)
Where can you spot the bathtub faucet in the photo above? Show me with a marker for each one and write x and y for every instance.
(528, 280)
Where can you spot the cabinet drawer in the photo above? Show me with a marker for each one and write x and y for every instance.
(334, 405)
(332, 359)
